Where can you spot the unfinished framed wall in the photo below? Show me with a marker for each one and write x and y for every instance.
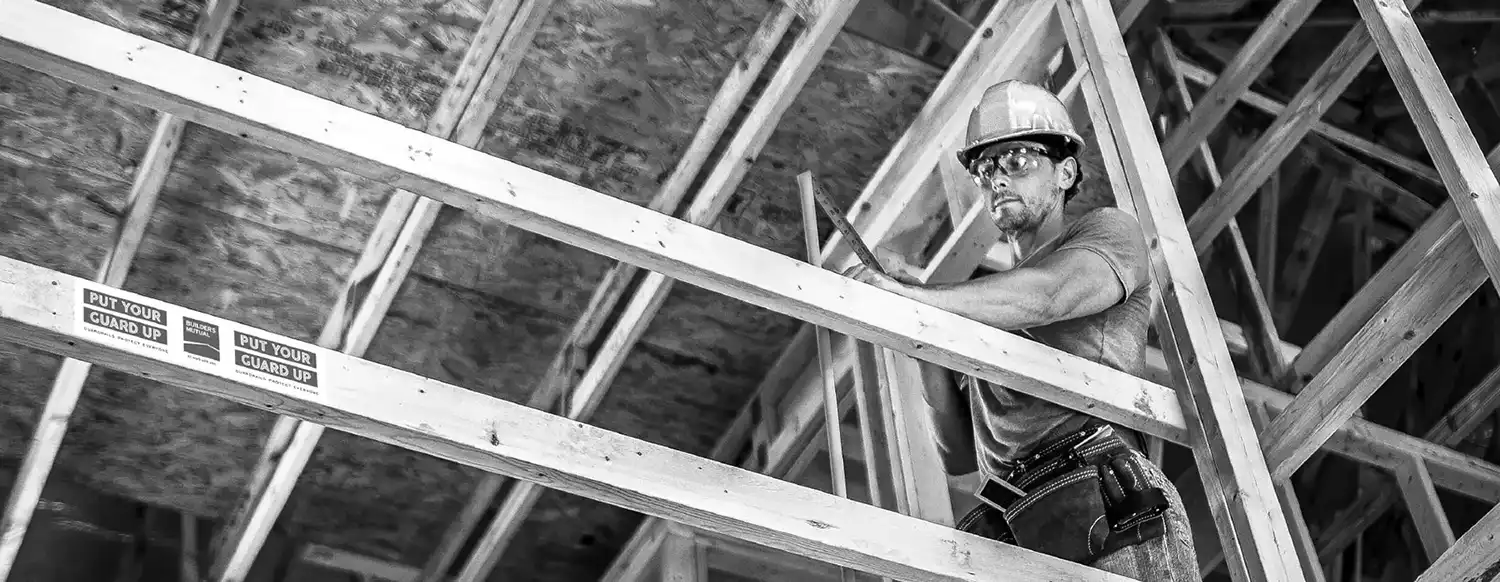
(1206, 406)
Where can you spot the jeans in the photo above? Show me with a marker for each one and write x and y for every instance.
(1167, 558)
(1171, 557)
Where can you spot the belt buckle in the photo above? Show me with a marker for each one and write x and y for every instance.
(997, 493)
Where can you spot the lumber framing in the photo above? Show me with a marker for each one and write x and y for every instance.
(1241, 494)
(1319, 93)
(579, 400)
(568, 363)
(1471, 252)
(1253, 58)
(1473, 556)
(464, 108)
(41, 308)
(67, 387)
(1449, 431)
(711, 508)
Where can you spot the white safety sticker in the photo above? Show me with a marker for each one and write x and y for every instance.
(199, 341)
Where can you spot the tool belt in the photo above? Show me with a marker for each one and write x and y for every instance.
(1077, 498)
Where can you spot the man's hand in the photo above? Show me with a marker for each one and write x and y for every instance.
(859, 272)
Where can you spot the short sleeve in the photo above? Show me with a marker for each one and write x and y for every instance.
(1115, 236)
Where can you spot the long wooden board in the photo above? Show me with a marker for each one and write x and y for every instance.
(58, 313)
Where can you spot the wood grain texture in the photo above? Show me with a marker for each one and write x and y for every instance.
(1449, 431)
(67, 386)
(1442, 281)
(1202, 76)
(1252, 59)
(37, 306)
(382, 268)
(1241, 493)
(1426, 510)
(1312, 233)
(1318, 93)
(1473, 556)
(551, 207)
(1471, 183)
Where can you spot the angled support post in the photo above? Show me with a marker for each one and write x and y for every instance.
(1473, 556)
(570, 363)
(584, 396)
(67, 387)
(1475, 194)
(464, 108)
(1322, 89)
(1254, 56)
(1426, 510)
(1240, 490)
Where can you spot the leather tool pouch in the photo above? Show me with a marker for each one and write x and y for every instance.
(1089, 512)
(1064, 517)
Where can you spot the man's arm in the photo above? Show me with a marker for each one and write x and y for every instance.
(1068, 284)
(952, 427)
(1102, 261)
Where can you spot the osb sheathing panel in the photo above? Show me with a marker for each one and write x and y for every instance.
(608, 97)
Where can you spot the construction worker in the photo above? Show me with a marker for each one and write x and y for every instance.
(1054, 480)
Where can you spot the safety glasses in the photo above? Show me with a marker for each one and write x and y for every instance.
(1012, 163)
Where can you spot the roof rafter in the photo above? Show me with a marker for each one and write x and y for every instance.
(67, 387)
(1472, 250)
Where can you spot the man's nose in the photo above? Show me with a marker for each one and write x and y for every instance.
(999, 182)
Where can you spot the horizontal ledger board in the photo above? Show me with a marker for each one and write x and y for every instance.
(165, 330)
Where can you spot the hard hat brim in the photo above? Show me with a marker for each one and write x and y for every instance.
(1073, 142)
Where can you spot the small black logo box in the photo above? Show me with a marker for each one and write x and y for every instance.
(275, 358)
(200, 338)
(122, 315)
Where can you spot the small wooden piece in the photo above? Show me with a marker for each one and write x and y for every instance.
(1426, 510)
(1317, 220)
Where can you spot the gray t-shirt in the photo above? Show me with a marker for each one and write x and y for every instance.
(1009, 424)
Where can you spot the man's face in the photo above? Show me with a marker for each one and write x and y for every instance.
(1024, 182)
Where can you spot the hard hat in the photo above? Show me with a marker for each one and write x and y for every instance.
(1015, 109)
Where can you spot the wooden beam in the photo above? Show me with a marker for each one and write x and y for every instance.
(1197, 74)
(1266, 231)
(582, 398)
(1322, 89)
(468, 179)
(1426, 510)
(1447, 276)
(681, 558)
(1397, 271)
(188, 569)
(67, 387)
(382, 266)
(1473, 556)
(935, 131)
(1448, 431)
(1307, 553)
(569, 365)
(1471, 183)
(1317, 221)
(1475, 193)
(1253, 58)
(1222, 434)
(43, 309)
(1266, 342)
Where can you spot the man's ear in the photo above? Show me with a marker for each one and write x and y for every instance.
(1067, 172)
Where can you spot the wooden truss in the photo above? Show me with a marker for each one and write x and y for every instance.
(1246, 436)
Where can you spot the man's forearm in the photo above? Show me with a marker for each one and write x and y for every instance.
(1009, 301)
(952, 426)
